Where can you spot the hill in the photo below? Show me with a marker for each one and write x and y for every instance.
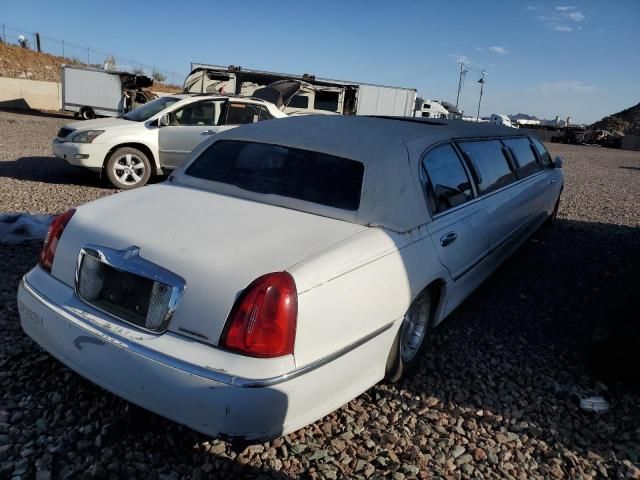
(18, 62)
(626, 122)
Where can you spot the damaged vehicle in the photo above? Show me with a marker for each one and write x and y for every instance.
(94, 92)
(155, 138)
(286, 267)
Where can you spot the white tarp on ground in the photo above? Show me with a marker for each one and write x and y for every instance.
(17, 228)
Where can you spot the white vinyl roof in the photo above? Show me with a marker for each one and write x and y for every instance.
(390, 149)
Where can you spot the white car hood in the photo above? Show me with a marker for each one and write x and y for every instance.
(217, 243)
(101, 124)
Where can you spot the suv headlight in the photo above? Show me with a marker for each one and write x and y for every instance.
(88, 136)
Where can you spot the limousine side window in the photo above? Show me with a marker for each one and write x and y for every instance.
(525, 156)
(545, 157)
(448, 184)
(489, 161)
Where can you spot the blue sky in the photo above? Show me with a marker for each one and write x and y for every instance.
(567, 58)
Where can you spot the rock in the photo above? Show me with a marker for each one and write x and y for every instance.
(479, 455)
(218, 448)
(462, 459)
(338, 444)
(409, 469)
(297, 448)
(467, 469)
(457, 451)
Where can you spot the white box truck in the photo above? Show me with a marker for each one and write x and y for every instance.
(90, 92)
(323, 95)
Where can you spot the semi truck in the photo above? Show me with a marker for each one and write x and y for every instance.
(89, 92)
(316, 95)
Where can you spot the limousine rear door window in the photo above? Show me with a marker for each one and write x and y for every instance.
(447, 183)
(522, 152)
(545, 157)
(490, 162)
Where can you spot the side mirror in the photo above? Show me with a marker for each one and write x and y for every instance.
(164, 121)
(557, 163)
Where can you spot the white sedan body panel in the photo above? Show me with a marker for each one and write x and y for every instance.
(356, 272)
(219, 244)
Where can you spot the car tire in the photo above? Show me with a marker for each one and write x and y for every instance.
(553, 218)
(87, 113)
(128, 168)
(411, 340)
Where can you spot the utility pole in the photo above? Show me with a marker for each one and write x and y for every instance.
(481, 82)
(463, 73)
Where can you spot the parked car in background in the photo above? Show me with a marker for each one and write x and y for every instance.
(286, 267)
(156, 137)
(505, 121)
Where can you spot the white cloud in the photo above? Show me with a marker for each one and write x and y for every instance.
(562, 17)
(480, 49)
(532, 7)
(499, 50)
(576, 16)
(563, 86)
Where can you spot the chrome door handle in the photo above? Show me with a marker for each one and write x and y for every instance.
(553, 180)
(208, 132)
(448, 239)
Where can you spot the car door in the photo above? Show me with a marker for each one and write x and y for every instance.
(495, 175)
(553, 185)
(459, 229)
(189, 125)
(529, 193)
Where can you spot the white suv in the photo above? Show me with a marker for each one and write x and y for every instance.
(156, 137)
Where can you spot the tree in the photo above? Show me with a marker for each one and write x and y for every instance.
(158, 77)
(138, 71)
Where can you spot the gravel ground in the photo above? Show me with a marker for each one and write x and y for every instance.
(493, 398)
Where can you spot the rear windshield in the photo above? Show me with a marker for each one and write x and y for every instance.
(289, 172)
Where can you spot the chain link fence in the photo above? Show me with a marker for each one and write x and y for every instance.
(73, 53)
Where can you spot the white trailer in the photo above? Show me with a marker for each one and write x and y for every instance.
(324, 95)
(91, 92)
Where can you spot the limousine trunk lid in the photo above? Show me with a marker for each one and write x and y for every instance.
(218, 244)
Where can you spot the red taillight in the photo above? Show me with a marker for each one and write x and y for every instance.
(262, 322)
(53, 236)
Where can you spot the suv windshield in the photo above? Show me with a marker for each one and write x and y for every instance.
(289, 172)
(148, 110)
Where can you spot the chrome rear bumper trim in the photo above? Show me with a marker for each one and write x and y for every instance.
(217, 376)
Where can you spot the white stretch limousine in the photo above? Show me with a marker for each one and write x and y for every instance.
(286, 267)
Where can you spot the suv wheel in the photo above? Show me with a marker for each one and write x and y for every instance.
(128, 168)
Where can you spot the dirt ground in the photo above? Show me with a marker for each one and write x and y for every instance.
(495, 396)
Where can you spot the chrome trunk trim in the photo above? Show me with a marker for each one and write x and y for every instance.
(129, 260)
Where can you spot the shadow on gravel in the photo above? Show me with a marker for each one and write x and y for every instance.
(56, 171)
(629, 168)
(37, 113)
(49, 170)
(516, 350)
